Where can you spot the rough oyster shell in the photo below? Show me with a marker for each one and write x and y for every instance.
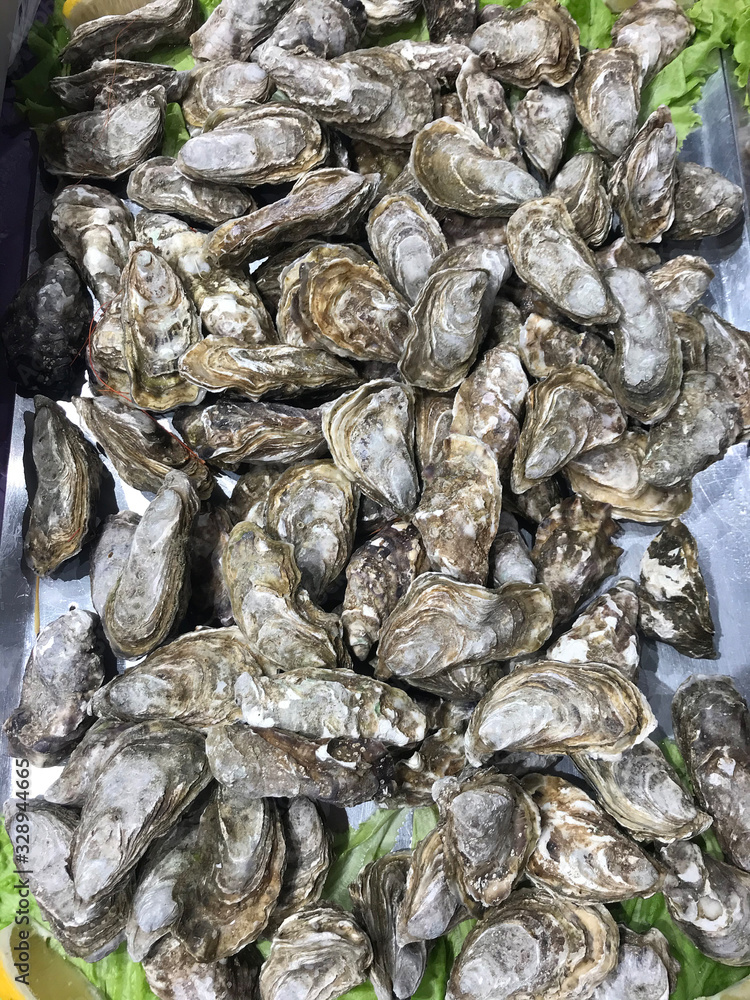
(682, 281)
(429, 906)
(549, 255)
(547, 346)
(150, 594)
(441, 755)
(209, 597)
(450, 20)
(308, 858)
(642, 792)
(405, 239)
(692, 338)
(656, 30)
(159, 186)
(581, 854)
(324, 203)
(105, 144)
(536, 44)
(510, 559)
(710, 902)
(109, 555)
(94, 227)
(159, 768)
(623, 253)
(543, 119)
(457, 170)
(706, 203)
(434, 417)
(728, 356)
(110, 81)
(645, 968)
(607, 96)
(172, 972)
(249, 499)
(68, 474)
(553, 707)
(140, 30)
(223, 83)
(324, 28)
(64, 670)
(76, 780)
(234, 28)
(441, 60)
(712, 729)
(483, 107)
(674, 601)
(320, 936)
(442, 624)
(579, 185)
(106, 350)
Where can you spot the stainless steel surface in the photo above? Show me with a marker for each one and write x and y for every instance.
(719, 516)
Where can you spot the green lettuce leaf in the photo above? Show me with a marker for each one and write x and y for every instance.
(353, 849)
(423, 821)
(741, 50)
(593, 17)
(707, 840)
(175, 131)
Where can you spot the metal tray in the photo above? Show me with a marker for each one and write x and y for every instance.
(719, 516)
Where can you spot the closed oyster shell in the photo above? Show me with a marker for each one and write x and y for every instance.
(429, 906)
(229, 432)
(706, 203)
(510, 559)
(150, 594)
(159, 186)
(370, 433)
(457, 170)
(110, 81)
(441, 60)
(674, 601)
(712, 729)
(94, 227)
(223, 83)
(405, 239)
(377, 896)
(551, 707)
(172, 972)
(77, 777)
(440, 624)
(106, 350)
(140, 449)
(64, 670)
(642, 792)
(728, 356)
(440, 755)
(709, 901)
(623, 253)
(140, 30)
(434, 417)
(160, 768)
(692, 338)
(190, 680)
(682, 281)
(656, 30)
(547, 346)
(579, 185)
(459, 512)
(607, 96)
(105, 144)
(308, 858)
(209, 597)
(110, 554)
(324, 202)
(645, 968)
(483, 107)
(249, 499)
(234, 28)
(549, 255)
(567, 414)
(450, 20)
(529, 46)
(543, 119)
(320, 936)
(642, 182)
(68, 473)
(325, 28)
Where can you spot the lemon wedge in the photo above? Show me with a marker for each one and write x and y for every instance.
(49, 976)
(77, 12)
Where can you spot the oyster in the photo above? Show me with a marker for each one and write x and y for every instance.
(235, 27)
(549, 255)
(483, 107)
(434, 418)
(150, 594)
(65, 668)
(370, 433)
(553, 707)
(543, 119)
(567, 414)
(159, 186)
(110, 81)
(606, 632)
(269, 272)
(275, 763)
(429, 906)
(535, 945)
(140, 449)
(172, 972)
(45, 327)
(682, 281)
(537, 503)
(314, 507)
(160, 767)
(105, 144)
(706, 203)
(696, 432)
(68, 474)
(476, 255)
(645, 968)
(459, 512)
(440, 624)
(525, 47)
(405, 239)
(440, 755)
(710, 902)
(642, 792)
(623, 253)
(278, 620)
(209, 597)
(308, 858)
(581, 853)
(712, 729)
(106, 350)
(140, 30)
(223, 83)
(674, 600)
(728, 356)
(190, 680)
(450, 20)
(510, 559)
(377, 897)
(324, 202)
(226, 896)
(320, 703)
(319, 937)
(646, 372)
(441, 60)
(490, 829)
(656, 30)
(86, 929)
(110, 554)
(642, 182)
(607, 96)
(261, 145)
(249, 499)
(547, 346)
(324, 28)
(94, 227)
(692, 338)
(580, 186)
(457, 170)
(77, 777)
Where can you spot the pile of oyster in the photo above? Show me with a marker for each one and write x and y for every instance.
(390, 368)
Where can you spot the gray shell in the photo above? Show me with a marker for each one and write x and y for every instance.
(159, 186)
(483, 107)
(606, 632)
(405, 239)
(172, 972)
(76, 780)
(308, 858)
(547, 346)
(110, 554)
(223, 83)
(579, 184)
(161, 21)
(235, 27)
(656, 30)
(111, 81)
(607, 96)
(682, 281)
(429, 906)
(645, 967)
(728, 356)
(324, 28)
(706, 202)
(543, 119)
